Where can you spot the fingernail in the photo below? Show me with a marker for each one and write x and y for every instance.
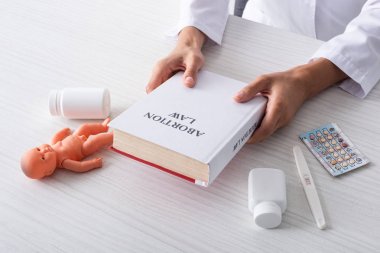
(189, 80)
(239, 95)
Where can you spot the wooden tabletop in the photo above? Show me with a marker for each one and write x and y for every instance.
(127, 206)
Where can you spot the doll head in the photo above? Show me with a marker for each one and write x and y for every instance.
(39, 162)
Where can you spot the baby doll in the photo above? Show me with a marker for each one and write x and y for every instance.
(67, 150)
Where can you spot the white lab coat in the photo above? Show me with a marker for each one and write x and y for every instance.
(351, 29)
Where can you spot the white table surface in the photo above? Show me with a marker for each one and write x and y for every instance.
(130, 207)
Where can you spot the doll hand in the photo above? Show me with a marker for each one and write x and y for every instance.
(105, 122)
(82, 166)
(186, 56)
(59, 136)
(66, 131)
(97, 162)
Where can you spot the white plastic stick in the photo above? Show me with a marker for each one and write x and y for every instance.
(309, 187)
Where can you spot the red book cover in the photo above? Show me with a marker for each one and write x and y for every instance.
(192, 180)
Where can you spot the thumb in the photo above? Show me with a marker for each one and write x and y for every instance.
(191, 72)
(261, 84)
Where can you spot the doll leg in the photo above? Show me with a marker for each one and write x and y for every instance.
(96, 142)
(92, 129)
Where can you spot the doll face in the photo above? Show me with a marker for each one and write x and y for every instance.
(39, 162)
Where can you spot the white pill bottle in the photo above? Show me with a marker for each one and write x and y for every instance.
(80, 103)
(267, 196)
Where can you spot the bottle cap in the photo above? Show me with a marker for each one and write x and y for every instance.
(267, 214)
(53, 103)
(106, 103)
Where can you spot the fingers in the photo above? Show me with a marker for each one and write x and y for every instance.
(193, 64)
(285, 96)
(261, 84)
(269, 124)
(190, 76)
(161, 72)
(189, 61)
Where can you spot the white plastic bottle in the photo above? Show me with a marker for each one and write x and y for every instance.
(267, 196)
(80, 103)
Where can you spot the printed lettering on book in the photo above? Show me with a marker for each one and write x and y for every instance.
(245, 136)
(182, 126)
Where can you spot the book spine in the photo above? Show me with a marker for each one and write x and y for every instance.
(235, 142)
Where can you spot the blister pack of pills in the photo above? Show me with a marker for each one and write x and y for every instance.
(333, 149)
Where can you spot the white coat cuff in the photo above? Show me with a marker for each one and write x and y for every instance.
(212, 38)
(358, 84)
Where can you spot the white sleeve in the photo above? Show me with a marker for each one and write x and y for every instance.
(357, 51)
(209, 16)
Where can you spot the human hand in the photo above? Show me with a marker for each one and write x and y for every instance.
(287, 91)
(186, 56)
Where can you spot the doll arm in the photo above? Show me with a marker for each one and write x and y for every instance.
(59, 136)
(82, 166)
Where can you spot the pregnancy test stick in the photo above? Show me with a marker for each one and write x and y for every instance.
(309, 187)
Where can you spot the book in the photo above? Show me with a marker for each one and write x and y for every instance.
(192, 133)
